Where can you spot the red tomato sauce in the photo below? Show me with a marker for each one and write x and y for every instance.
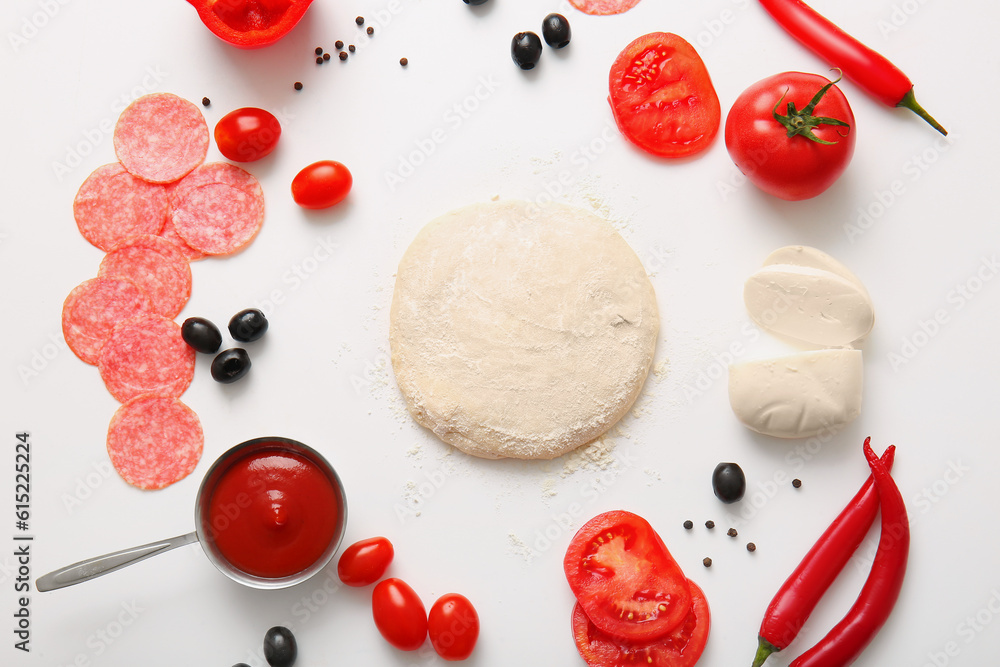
(273, 513)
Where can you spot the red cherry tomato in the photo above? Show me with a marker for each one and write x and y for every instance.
(247, 134)
(399, 614)
(625, 579)
(321, 185)
(365, 562)
(662, 97)
(681, 647)
(790, 167)
(453, 626)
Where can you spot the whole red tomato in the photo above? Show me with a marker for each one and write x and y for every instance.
(399, 614)
(453, 626)
(322, 184)
(247, 134)
(365, 562)
(792, 134)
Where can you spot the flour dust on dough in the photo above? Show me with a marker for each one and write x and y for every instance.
(521, 335)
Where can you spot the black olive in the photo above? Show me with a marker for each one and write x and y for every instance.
(475, 2)
(279, 647)
(526, 49)
(555, 30)
(231, 365)
(201, 334)
(248, 325)
(729, 482)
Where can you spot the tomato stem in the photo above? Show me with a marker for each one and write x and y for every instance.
(910, 102)
(802, 122)
(764, 649)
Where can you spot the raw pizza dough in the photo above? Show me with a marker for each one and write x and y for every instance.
(521, 332)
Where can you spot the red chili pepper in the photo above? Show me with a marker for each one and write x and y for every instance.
(845, 642)
(868, 69)
(798, 596)
(250, 24)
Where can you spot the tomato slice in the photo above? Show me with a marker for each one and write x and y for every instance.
(682, 647)
(625, 579)
(662, 96)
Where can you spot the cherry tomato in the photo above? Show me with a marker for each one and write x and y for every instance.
(453, 626)
(365, 562)
(791, 167)
(247, 134)
(625, 579)
(321, 185)
(399, 614)
(662, 97)
(681, 647)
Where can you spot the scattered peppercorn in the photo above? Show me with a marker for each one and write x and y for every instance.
(205, 101)
(751, 546)
(339, 44)
(732, 532)
(360, 20)
(319, 50)
(707, 562)
(326, 56)
(371, 30)
(796, 483)
(710, 524)
(688, 525)
(319, 60)
(298, 85)
(404, 62)
(343, 55)
(350, 47)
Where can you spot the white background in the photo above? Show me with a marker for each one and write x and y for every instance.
(320, 375)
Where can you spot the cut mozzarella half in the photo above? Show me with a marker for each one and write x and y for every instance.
(809, 304)
(800, 395)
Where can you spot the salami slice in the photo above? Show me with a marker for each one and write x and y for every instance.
(157, 266)
(113, 205)
(219, 218)
(92, 310)
(146, 355)
(170, 234)
(154, 441)
(215, 172)
(604, 7)
(161, 137)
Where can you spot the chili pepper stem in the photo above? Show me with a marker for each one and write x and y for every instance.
(910, 102)
(764, 649)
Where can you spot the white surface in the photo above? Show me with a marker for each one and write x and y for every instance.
(928, 255)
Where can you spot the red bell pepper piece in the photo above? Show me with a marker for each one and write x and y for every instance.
(250, 24)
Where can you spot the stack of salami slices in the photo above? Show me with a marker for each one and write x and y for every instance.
(154, 211)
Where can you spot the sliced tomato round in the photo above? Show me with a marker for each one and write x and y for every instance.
(682, 647)
(625, 579)
(662, 96)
